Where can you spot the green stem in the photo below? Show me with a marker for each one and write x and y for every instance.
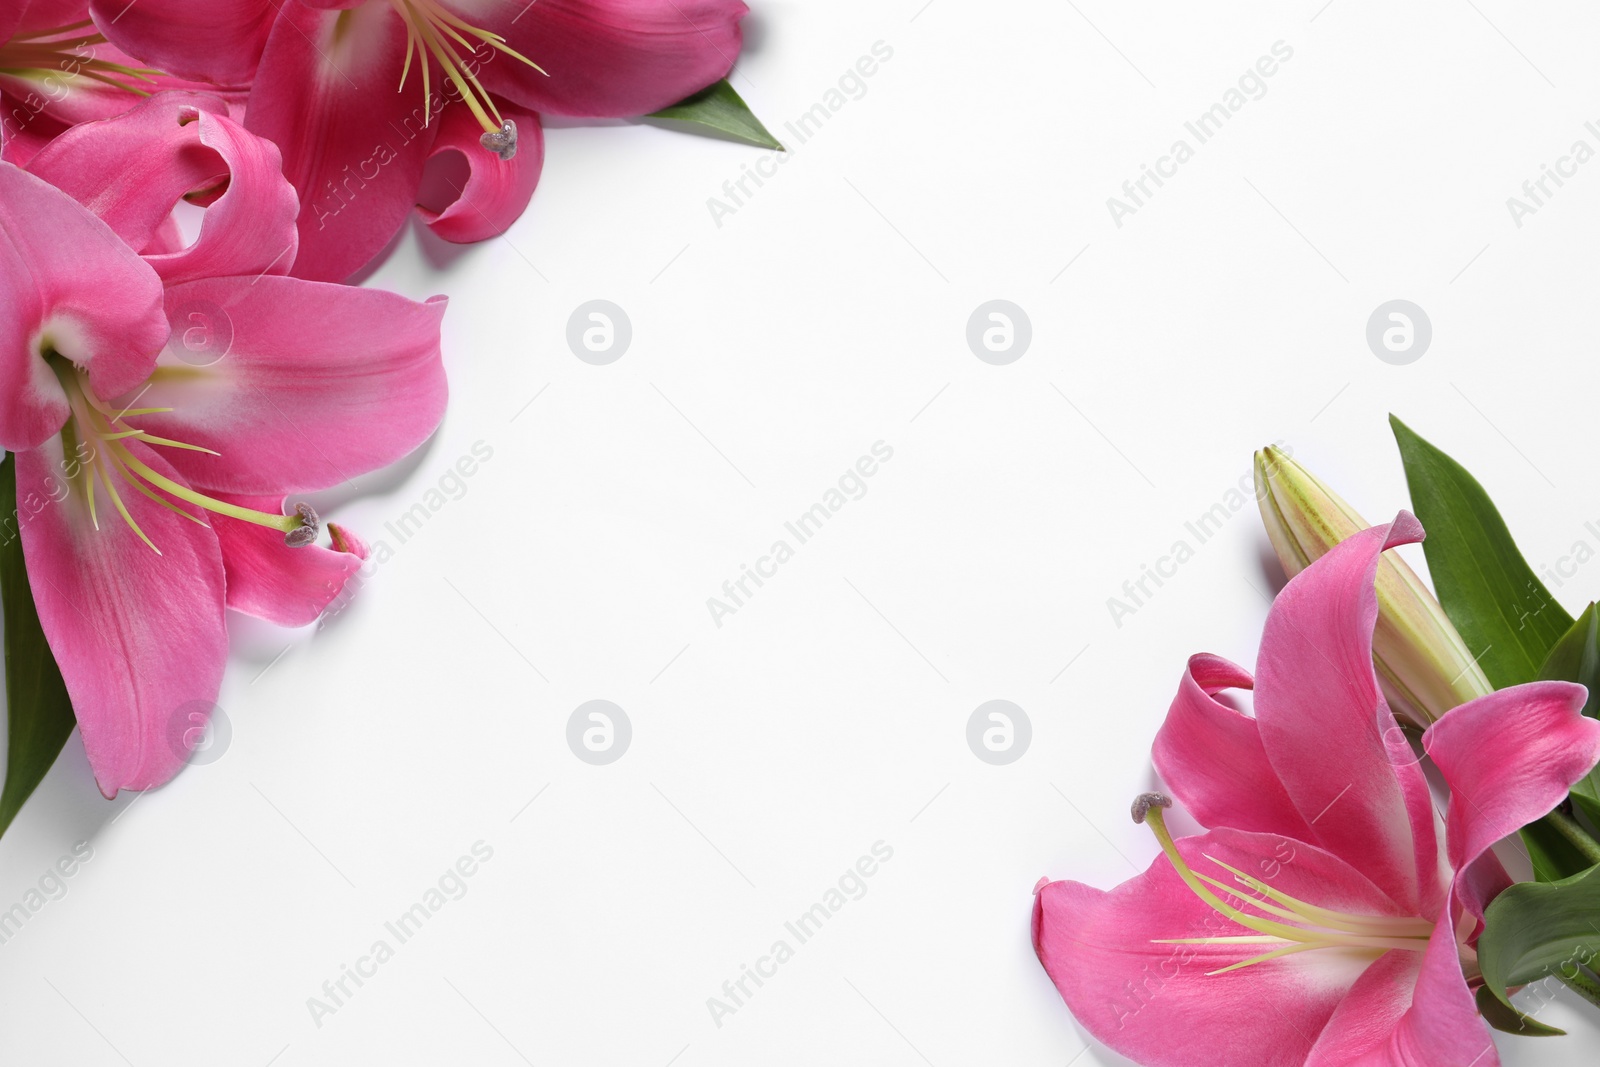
(1568, 828)
(1583, 983)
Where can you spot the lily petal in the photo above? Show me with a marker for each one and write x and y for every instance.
(268, 579)
(139, 636)
(35, 15)
(1134, 994)
(1509, 759)
(319, 383)
(607, 58)
(1316, 686)
(25, 130)
(1211, 756)
(217, 41)
(69, 285)
(132, 169)
(353, 144)
(1411, 1009)
(496, 191)
(69, 94)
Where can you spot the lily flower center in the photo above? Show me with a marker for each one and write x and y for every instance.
(99, 460)
(1282, 924)
(62, 52)
(432, 29)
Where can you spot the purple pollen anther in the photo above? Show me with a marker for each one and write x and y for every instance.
(306, 533)
(1145, 801)
(502, 142)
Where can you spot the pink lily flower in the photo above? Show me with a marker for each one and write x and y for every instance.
(1320, 920)
(360, 94)
(56, 69)
(161, 401)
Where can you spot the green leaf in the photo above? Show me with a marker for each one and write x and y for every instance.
(1576, 658)
(1537, 930)
(1504, 1017)
(1506, 615)
(39, 711)
(1553, 856)
(718, 107)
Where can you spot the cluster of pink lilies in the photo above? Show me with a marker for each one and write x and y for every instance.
(151, 485)
(1325, 916)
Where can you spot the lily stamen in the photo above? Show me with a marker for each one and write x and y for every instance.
(53, 31)
(47, 53)
(109, 461)
(433, 30)
(1307, 926)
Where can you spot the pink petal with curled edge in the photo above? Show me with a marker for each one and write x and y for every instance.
(68, 284)
(313, 383)
(167, 238)
(1509, 758)
(496, 191)
(1411, 1009)
(606, 58)
(1157, 1003)
(139, 637)
(1317, 697)
(216, 41)
(270, 580)
(132, 169)
(353, 145)
(347, 540)
(1211, 757)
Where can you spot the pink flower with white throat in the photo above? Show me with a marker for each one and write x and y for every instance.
(151, 482)
(359, 94)
(1320, 919)
(57, 69)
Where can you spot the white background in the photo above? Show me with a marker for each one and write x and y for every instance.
(769, 353)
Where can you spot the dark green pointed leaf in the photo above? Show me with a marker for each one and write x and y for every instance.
(1553, 856)
(1504, 1017)
(1506, 615)
(1538, 930)
(1576, 658)
(39, 713)
(718, 107)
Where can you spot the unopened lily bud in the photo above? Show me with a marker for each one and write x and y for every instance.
(1422, 663)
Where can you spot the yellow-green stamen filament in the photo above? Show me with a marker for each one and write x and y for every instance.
(102, 438)
(432, 30)
(62, 52)
(1283, 924)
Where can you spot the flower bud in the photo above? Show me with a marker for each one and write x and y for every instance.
(1422, 663)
